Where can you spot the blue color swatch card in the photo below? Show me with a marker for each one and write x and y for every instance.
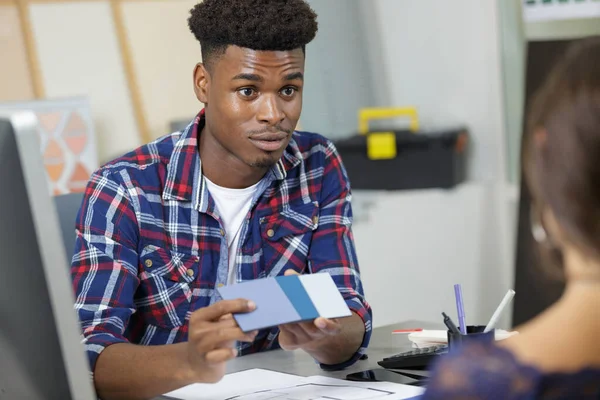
(287, 299)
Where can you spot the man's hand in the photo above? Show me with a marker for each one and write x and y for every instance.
(330, 341)
(304, 334)
(129, 371)
(212, 336)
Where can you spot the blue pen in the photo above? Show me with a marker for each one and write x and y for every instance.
(460, 308)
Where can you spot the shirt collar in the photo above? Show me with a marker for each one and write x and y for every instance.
(184, 166)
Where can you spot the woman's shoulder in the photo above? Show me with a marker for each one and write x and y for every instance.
(486, 371)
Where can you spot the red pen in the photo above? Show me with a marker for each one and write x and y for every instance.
(406, 330)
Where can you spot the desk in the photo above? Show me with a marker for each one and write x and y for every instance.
(298, 362)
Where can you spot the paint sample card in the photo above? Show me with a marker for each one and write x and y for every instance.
(287, 299)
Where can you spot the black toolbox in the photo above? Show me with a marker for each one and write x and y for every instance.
(403, 159)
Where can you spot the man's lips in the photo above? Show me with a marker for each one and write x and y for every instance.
(269, 141)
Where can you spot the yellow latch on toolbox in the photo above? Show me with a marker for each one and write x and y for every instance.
(382, 145)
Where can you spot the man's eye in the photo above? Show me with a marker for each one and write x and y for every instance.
(246, 92)
(288, 91)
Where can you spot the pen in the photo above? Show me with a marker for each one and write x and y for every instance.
(494, 320)
(397, 331)
(460, 308)
(450, 324)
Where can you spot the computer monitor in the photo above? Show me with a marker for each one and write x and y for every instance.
(41, 355)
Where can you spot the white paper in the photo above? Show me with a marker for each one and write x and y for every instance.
(325, 295)
(376, 390)
(259, 384)
(234, 384)
(428, 337)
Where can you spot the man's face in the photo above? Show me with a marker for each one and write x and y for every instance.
(253, 102)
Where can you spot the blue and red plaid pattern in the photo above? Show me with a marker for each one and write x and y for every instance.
(150, 248)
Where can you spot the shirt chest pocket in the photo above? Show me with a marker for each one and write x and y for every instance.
(287, 236)
(167, 280)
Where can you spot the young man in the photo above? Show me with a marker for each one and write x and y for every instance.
(236, 196)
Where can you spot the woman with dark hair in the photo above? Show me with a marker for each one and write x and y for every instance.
(557, 354)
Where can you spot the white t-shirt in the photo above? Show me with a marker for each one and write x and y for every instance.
(232, 206)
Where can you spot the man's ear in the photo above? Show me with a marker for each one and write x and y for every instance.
(201, 83)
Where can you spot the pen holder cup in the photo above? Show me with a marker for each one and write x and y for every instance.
(474, 333)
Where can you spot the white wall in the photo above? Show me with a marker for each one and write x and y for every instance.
(15, 75)
(335, 89)
(413, 246)
(164, 60)
(513, 53)
(79, 56)
(444, 58)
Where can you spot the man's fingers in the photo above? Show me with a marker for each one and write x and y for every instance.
(220, 355)
(226, 317)
(290, 272)
(286, 328)
(209, 340)
(206, 326)
(227, 321)
(230, 334)
(249, 337)
(292, 342)
(310, 328)
(328, 326)
(300, 335)
(222, 308)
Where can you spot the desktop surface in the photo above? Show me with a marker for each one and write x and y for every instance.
(383, 344)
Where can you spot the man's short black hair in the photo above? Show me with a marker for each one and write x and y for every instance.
(273, 25)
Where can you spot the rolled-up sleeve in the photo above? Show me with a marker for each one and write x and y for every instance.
(332, 249)
(104, 264)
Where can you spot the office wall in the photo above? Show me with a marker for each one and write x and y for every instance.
(444, 58)
(164, 60)
(514, 44)
(14, 70)
(79, 55)
(339, 78)
(138, 78)
(416, 245)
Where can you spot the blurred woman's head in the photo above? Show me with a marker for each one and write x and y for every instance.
(562, 158)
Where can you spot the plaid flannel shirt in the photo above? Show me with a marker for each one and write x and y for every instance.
(150, 247)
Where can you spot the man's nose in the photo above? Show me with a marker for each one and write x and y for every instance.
(270, 111)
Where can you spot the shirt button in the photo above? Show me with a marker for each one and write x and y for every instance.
(190, 272)
(315, 220)
(222, 232)
(270, 233)
(220, 285)
(148, 263)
